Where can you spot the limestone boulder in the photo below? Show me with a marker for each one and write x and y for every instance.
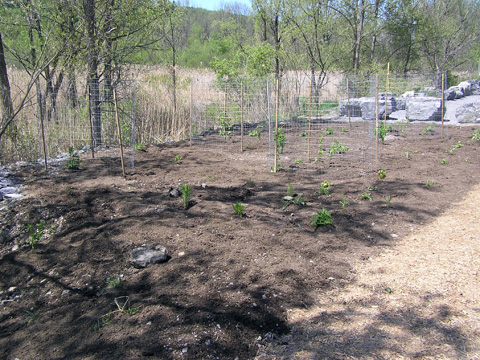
(424, 109)
(143, 257)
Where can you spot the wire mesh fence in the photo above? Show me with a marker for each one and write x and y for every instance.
(293, 122)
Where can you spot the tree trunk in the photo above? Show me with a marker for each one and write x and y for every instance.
(358, 36)
(92, 64)
(5, 95)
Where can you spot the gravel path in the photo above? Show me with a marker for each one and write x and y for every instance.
(419, 299)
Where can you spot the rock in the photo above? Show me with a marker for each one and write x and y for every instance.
(424, 109)
(401, 103)
(468, 114)
(451, 93)
(144, 257)
(466, 88)
(408, 94)
(365, 107)
(175, 193)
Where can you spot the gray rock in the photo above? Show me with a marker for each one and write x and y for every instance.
(424, 109)
(401, 103)
(451, 93)
(468, 114)
(143, 257)
(175, 192)
(365, 107)
(466, 88)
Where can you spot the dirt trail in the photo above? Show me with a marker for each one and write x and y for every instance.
(419, 299)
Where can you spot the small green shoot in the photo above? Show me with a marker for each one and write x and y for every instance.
(303, 134)
(298, 161)
(328, 131)
(388, 200)
(343, 202)
(113, 282)
(322, 218)
(140, 147)
(458, 145)
(415, 151)
(177, 159)
(443, 162)
(36, 232)
(428, 129)
(320, 148)
(298, 200)
(238, 208)
(73, 162)
(324, 188)
(382, 174)
(290, 191)
(366, 196)
(186, 191)
(389, 290)
(32, 316)
(476, 135)
(372, 188)
(382, 132)
(430, 183)
(337, 148)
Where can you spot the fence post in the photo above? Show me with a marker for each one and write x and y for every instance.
(443, 100)
(44, 142)
(90, 120)
(309, 121)
(348, 106)
(119, 130)
(376, 122)
(277, 101)
(241, 116)
(191, 111)
(387, 84)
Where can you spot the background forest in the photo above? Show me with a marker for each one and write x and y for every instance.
(52, 44)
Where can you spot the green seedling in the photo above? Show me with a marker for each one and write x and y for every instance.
(382, 132)
(238, 208)
(324, 188)
(36, 232)
(415, 151)
(112, 282)
(443, 162)
(329, 131)
(337, 148)
(73, 162)
(303, 134)
(225, 126)
(372, 188)
(382, 174)
(186, 191)
(140, 147)
(476, 135)
(458, 145)
(298, 161)
(290, 191)
(367, 196)
(280, 139)
(343, 202)
(32, 316)
(322, 218)
(177, 159)
(427, 130)
(320, 148)
(256, 133)
(389, 290)
(298, 200)
(430, 183)
(343, 129)
(388, 200)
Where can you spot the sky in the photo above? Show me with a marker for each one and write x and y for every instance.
(217, 4)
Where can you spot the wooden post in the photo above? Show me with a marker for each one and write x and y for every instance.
(119, 131)
(225, 110)
(90, 121)
(386, 95)
(269, 116)
(348, 106)
(443, 100)
(309, 122)
(44, 143)
(191, 112)
(376, 123)
(241, 116)
(277, 104)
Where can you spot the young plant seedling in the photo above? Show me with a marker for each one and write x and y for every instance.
(382, 174)
(303, 134)
(329, 131)
(297, 200)
(430, 183)
(298, 161)
(337, 148)
(73, 162)
(476, 135)
(140, 147)
(238, 209)
(322, 218)
(324, 188)
(112, 282)
(186, 191)
(343, 202)
(427, 130)
(367, 196)
(177, 159)
(36, 232)
(290, 191)
(443, 162)
(388, 200)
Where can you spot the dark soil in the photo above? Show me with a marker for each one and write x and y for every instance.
(231, 279)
